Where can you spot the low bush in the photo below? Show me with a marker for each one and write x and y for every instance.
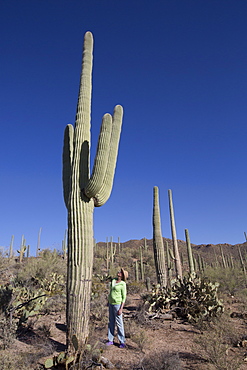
(7, 332)
(215, 341)
(136, 287)
(140, 338)
(231, 280)
(34, 270)
(161, 361)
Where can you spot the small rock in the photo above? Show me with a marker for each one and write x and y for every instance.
(243, 343)
(106, 363)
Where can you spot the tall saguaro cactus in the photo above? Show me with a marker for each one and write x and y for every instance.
(189, 252)
(158, 245)
(178, 266)
(82, 193)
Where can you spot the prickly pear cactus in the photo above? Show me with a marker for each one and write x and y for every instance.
(83, 192)
(192, 298)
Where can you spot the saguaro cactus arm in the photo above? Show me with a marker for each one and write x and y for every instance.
(67, 161)
(106, 184)
(100, 162)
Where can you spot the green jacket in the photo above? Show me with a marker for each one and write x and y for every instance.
(118, 292)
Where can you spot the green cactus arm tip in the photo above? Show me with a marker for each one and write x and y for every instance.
(95, 182)
(105, 191)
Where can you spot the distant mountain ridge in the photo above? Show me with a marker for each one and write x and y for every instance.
(208, 251)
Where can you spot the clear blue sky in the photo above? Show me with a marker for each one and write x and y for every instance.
(178, 67)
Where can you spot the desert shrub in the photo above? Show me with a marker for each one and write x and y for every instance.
(192, 298)
(130, 328)
(99, 309)
(161, 361)
(18, 303)
(100, 285)
(10, 360)
(136, 287)
(44, 330)
(54, 304)
(140, 337)
(214, 342)
(37, 269)
(141, 316)
(5, 298)
(98, 265)
(231, 280)
(7, 332)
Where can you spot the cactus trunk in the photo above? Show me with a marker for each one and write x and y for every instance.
(158, 245)
(82, 193)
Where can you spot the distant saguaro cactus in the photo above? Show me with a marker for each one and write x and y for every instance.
(11, 247)
(141, 264)
(107, 257)
(158, 245)
(82, 193)
(22, 249)
(64, 244)
(38, 243)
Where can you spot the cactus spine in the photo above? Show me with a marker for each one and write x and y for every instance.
(82, 193)
(178, 266)
(158, 245)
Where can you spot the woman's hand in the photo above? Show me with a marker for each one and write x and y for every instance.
(120, 311)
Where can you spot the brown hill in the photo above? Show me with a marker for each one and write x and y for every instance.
(211, 253)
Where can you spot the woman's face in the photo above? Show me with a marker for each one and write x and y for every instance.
(120, 274)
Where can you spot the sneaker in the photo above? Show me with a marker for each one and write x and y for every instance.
(122, 345)
(109, 343)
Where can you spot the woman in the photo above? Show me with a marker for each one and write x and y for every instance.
(116, 298)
